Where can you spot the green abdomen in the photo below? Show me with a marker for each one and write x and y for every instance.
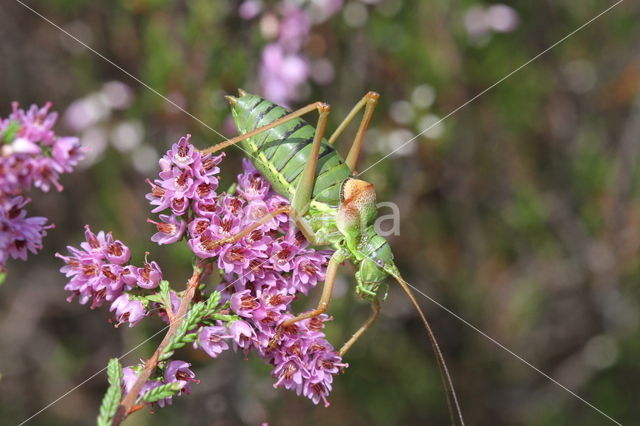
(281, 153)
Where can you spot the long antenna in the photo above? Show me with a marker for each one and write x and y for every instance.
(442, 365)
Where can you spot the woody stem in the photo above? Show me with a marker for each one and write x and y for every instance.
(127, 404)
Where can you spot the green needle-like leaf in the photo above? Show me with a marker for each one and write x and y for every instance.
(112, 396)
(161, 392)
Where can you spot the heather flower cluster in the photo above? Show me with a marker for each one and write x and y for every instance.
(100, 273)
(263, 271)
(31, 155)
(284, 65)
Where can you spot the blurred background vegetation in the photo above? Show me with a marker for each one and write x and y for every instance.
(520, 213)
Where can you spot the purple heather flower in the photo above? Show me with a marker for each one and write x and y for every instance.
(258, 239)
(179, 182)
(35, 155)
(98, 274)
(179, 372)
(212, 340)
(252, 186)
(95, 243)
(242, 334)
(235, 259)
(67, 153)
(20, 234)
(282, 255)
(149, 276)
(30, 155)
(316, 389)
(198, 225)
(170, 229)
(127, 310)
(206, 167)
(232, 205)
(175, 302)
(275, 299)
(183, 153)
(187, 180)
(258, 209)
(117, 253)
(206, 209)
(205, 192)
(224, 226)
(244, 304)
(289, 374)
(110, 277)
(129, 377)
(157, 197)
(179, 205)
(204, 245)
(37, 122)
(129, 275)
(274, 203)
(309, 270)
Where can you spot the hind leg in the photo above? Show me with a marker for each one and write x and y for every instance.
(318, 106)
(368, 102)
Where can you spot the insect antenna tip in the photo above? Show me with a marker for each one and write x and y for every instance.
(231, 99)
(241, 92)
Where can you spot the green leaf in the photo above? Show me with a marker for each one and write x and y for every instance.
(164, 287)
(197, 312)
(11, 131)
(162, 392)
(155, 298)
(164, 291)
(112, 396)
(213, 301)
(225, 318)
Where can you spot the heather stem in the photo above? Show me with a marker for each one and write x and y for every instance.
(127, 404)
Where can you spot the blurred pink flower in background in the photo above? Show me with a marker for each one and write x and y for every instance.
(281, 73)
(284, 66)
(481, 21)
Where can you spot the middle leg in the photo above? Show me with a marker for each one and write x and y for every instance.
(323, 304)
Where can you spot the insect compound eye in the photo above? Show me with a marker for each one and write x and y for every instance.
(344, 183)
